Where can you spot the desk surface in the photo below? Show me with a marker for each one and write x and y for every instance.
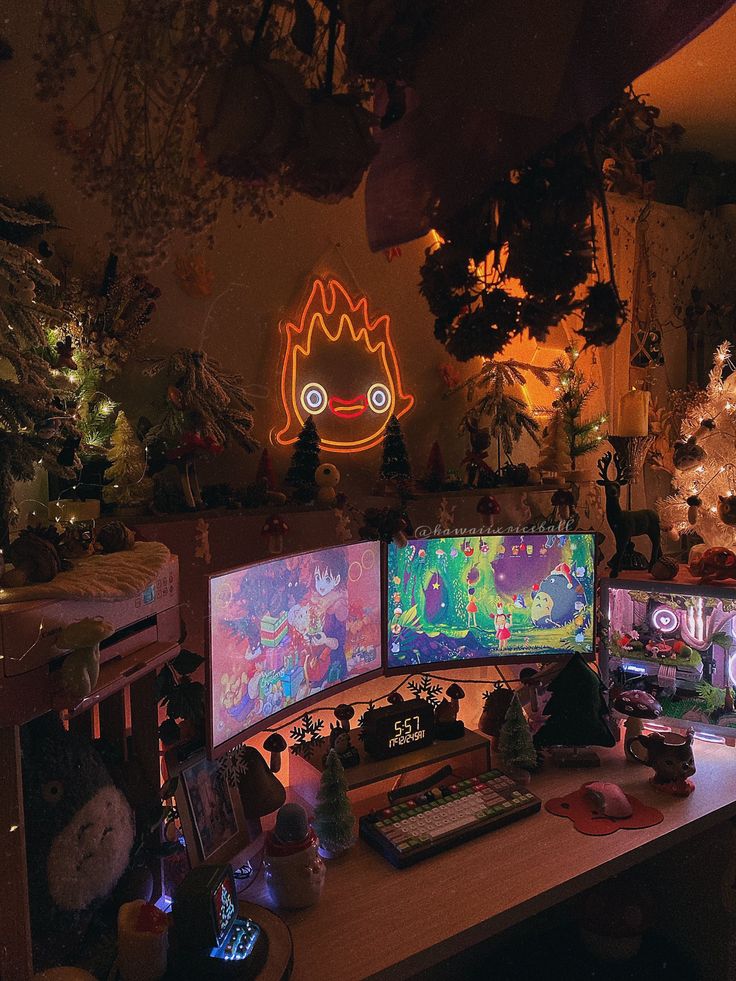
(375, 921)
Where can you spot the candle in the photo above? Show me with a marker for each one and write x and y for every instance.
(633, 414)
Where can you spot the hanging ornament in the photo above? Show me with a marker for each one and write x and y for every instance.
(693, 505)
(727, 509)
(687, 454)
(706, 426)
(64, 353)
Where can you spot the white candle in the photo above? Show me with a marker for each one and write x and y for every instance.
(633, 413)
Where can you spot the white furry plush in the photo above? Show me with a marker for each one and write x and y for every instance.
(91, 851)
(116, 576)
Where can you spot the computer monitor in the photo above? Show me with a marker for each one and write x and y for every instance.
(487, 599)
(677, 641)
(285, 632)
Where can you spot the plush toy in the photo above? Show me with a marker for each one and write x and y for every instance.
(81, 669)
(79, 834)
(326, 477)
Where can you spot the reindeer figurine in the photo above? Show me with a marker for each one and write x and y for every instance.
(625, 525)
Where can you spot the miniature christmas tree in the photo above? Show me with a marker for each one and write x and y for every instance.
(580, 435)
(703, 470)
(334, 822)
(576, 713)
(264, 473)
(515, 740)
(304, 461)
(554, 455)
(203, 399)
(395, 464)
(435, 474)
(128, 484)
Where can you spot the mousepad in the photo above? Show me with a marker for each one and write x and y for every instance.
(589, 820)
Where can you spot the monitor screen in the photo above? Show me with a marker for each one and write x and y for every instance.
(678, 643)
(489, 598)
(285, 630)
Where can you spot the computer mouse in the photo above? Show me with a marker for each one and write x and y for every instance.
(609, 799)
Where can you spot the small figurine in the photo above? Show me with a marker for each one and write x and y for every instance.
(474, 460)
(625, 525)
(340, 742)
(670, 755)
(80, 670)
(713, 563)
(326, 477)
(294, 871)
(273, 531)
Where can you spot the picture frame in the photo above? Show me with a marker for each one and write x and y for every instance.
(211, 814)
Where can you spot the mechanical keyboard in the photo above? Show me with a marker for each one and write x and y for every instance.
(407, 832)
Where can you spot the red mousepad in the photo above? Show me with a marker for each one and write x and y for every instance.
(588, 819)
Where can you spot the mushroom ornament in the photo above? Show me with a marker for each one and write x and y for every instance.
(80, 671)
(637, 706)
(273, 531)
(344, 713)
(488, 507)
(447, 724)
(275, 745)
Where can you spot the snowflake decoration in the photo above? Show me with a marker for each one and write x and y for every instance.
(232, 766)
(307, 737)
(425, 689)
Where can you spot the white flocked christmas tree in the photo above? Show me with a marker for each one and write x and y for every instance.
(704, 479)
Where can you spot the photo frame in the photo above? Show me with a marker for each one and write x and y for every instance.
(211, 814)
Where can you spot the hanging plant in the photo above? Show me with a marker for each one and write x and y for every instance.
(535, 229)
(191, 105)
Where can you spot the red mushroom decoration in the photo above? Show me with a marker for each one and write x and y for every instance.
(636, 705)
(488, 507)
(192, 447)
(273, 531)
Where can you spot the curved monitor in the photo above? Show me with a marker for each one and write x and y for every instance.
(286, 632)
(489, 599)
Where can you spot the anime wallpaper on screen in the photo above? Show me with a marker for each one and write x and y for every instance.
(457, 599)
(285, 629)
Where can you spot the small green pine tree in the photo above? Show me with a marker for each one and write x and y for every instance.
(580, 435)
(515, 740)
(395, 464)
(334, 822)
(305, 459)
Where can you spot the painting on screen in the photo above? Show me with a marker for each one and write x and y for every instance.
(459, 599)
(282, 630)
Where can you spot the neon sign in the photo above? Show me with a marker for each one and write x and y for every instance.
(342, 369)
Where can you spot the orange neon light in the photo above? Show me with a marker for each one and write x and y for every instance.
(332, 347)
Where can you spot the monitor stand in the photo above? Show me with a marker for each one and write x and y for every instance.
(470, 755)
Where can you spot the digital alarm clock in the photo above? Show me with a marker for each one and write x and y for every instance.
(398, 728)
(211, 941)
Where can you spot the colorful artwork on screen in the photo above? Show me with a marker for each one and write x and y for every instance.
(680, 646)
(460, 599)
(283, 630)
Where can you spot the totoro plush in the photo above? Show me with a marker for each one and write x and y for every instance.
(79, 834)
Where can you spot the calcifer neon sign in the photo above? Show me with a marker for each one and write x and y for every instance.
(342, 369)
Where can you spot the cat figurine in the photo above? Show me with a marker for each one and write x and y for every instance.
(670, 755)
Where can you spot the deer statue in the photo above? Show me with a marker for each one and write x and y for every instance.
(625, 525)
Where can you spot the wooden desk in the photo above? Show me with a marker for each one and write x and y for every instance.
(375, 921)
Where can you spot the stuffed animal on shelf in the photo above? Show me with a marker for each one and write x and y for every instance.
(326, 477)
(713, 563)
(79, 834)
(625, 525)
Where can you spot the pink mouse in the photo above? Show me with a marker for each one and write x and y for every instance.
(609, 799)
